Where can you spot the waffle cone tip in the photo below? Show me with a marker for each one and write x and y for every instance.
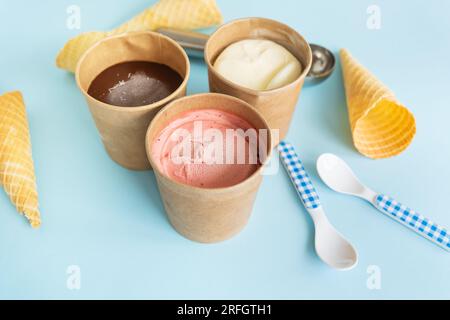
(72, 51)
(33, 217)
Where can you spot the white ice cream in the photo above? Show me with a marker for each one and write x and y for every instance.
(258, 64)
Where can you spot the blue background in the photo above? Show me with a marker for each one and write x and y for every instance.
(110, 222)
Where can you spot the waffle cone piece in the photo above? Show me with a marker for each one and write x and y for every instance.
(16, 164)
(177, 14)
(381, 126)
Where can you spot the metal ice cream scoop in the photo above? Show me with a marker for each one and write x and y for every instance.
(323, 62)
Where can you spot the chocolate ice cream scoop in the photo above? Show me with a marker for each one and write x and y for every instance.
(134, 83)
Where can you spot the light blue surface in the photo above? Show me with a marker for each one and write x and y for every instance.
(109, 221)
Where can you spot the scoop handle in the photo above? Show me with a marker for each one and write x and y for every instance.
(192, 42)
(413, 220)
(298, 175)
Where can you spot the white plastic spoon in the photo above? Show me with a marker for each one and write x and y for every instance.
(330, 245)
(338, 176)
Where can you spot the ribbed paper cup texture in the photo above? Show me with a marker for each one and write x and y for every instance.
(122, 129)
(207, 214)
(381, 126)
(276, 105)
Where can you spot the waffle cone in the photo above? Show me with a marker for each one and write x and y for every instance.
(164, 14)
(16, 163)
(381, 126)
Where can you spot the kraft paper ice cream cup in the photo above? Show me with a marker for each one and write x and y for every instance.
(122, 129)
(207, 215)
(276, 105)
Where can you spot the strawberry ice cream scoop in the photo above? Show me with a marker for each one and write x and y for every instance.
(207, 148)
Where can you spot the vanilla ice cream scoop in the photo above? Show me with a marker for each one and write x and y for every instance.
(258, 64)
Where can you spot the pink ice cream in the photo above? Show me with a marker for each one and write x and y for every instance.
(188, 149)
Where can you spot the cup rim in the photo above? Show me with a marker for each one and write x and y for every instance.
(253, 176)
(153, 105)
(249, 90)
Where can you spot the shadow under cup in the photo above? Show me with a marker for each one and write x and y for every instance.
(122, 129)
(276, 105)
(208, 214)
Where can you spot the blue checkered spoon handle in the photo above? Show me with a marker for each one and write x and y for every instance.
(337, 174)
(298, 175)
(413, 220)
(330, 245)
